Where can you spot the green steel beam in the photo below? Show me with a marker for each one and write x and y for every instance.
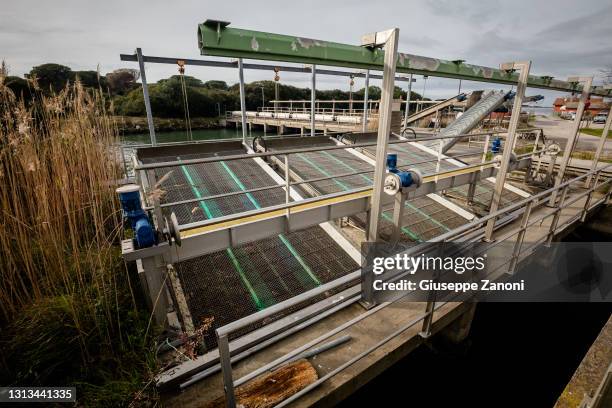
(217, 39)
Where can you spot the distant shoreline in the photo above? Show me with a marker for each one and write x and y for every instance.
(138, 124)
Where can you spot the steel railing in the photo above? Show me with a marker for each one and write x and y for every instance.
(523, 207)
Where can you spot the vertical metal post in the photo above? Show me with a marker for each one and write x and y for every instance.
(440, 147)
(226, 370)
(398, 213)
(145, 93)
(351, 95)
(287, 187)
(587, 203)
(555, 220)
(524, 67)
(519, 239)
(313, 93)
(364, 125)
(275, 96)
(384, 127)
(600, 146)
(573, 137)
(408, 94)
(242, 101)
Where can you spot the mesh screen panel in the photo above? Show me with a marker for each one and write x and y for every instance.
(234, 283)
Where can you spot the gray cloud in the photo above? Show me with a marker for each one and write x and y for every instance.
(558, 37)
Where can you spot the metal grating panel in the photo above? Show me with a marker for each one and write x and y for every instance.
(234, 283)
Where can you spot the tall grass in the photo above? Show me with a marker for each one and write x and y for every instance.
(67, 310)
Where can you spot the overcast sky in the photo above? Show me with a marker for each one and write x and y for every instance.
(561, 37)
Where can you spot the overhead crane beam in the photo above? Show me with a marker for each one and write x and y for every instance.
(218, 39)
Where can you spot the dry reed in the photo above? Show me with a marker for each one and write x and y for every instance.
(59, 218)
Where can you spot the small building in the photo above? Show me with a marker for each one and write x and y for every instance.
(570, 104)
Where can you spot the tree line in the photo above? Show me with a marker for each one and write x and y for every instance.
(204, 99)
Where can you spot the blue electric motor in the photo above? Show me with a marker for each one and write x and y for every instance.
(496, 145)
(399, 179)
(129, 196)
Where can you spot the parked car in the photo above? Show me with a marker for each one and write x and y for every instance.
(600, 118)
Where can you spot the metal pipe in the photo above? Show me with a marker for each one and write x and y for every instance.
(260, 346)
(145, 94)
(260, 67)
(313, 93)
(355, 359)
(364, 125)
(500, 179)
(242, 101)
(408, 95)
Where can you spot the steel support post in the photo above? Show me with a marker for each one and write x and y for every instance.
(428, 320)
(384, 127)
(600, 146)
(147, 100)
(154, 199)
(154, 269)
(226, 371)
(313, 95)
(390, 40)
(398, 213)
(519, 239)
(408, 101)
(555, 220)
(573, 136)
(524, 68)
(364, 125)
(587, 203)
(242, 100)
(471, 190)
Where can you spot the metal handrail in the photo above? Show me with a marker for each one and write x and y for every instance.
(302, 150)
(289, 205)
(224, 331)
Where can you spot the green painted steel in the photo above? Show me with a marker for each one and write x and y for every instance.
(220, 40)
